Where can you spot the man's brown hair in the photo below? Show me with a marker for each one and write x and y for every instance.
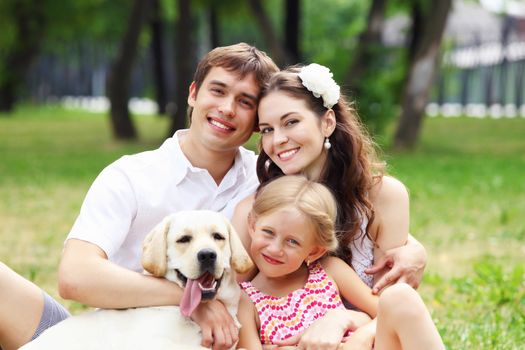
(240, 58)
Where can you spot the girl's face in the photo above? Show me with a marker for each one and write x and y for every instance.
(293, 135)
(282, 241)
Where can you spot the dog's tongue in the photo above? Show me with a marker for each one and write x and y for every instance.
(190, 298)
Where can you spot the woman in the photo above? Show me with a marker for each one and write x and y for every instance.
(307, 127)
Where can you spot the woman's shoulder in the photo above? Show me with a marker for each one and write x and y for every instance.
(246, 203)
(388, 190)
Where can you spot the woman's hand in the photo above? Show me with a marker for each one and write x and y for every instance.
(402, 264)
(328, 331)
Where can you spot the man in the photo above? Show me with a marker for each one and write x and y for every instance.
(203, 167)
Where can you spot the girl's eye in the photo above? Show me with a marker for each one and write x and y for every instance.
(268, 232)
(293, 241)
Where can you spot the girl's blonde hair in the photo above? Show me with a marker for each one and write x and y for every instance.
(311, 198)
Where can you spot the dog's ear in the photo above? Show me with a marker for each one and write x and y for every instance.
(240, 261)
(154, 257)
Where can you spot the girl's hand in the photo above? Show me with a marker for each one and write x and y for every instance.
(328, 331)
(361, 339)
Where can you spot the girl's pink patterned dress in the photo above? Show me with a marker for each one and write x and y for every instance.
(284, 317)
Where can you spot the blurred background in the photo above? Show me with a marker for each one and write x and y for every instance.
(439, 83)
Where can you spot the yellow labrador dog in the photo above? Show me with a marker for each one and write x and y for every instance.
(195, 249)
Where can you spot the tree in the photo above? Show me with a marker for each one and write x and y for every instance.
(371, 78)
(119, 75)
(29, 25)
(292, 32)
(184, 63)
(157, 50)
(368, 43)
(428, 24)
(270, 36)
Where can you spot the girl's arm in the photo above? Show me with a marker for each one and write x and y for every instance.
(249, 332)
(350, 286)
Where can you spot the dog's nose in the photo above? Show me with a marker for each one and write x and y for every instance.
(207, 257)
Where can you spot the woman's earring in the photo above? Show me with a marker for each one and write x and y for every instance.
(308, 263)
(327, 144)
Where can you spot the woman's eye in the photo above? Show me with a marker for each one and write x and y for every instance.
(291, 122)
(265, 130)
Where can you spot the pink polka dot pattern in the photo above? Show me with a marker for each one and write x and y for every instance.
(284, 317)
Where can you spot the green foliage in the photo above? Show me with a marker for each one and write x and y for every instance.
(485, 310)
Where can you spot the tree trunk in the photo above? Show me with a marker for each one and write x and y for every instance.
(157, 50)
(271, 39)
(183, 65)
(368, 43)
(119, 75)
(518, 84)
(30, 23)
(214, 25)
(292, 27)
(420, 70)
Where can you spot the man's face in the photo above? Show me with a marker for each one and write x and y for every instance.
(224, 110)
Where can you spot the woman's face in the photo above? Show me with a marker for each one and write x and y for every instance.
(293, 135)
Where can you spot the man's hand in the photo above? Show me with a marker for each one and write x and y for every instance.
(402, 264)
(217, 326)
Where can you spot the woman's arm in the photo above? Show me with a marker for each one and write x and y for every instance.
(249, 332)
(390, 228)
(240, 223)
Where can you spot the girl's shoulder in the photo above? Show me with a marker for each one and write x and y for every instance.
(333, 265)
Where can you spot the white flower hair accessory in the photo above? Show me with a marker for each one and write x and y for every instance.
(318, 79)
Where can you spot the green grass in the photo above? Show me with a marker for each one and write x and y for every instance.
(466, 181)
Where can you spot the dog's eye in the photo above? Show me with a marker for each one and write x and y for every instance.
(184, 239)
(217, 236)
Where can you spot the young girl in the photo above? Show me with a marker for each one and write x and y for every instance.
(292, 230)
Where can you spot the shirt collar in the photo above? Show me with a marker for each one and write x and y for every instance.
(182, 165)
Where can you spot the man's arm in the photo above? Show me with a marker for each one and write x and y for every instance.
(87, 276)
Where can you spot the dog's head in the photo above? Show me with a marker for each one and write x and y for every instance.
(195, 249)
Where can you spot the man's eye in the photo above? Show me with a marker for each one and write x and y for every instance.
(247, 103)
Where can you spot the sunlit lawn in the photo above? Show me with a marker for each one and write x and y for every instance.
(466, 182)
